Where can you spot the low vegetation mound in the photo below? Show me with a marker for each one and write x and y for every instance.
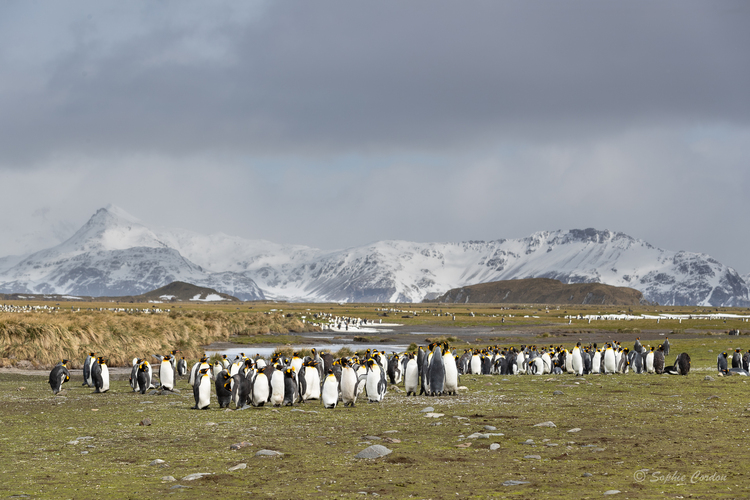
(42, 340)
(541, 291)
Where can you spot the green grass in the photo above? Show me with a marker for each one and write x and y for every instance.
(628, 423)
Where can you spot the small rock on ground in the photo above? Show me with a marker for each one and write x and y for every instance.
(434, 415)
(374, 451)
(168, 478)
(514, 483)
(157, 462)
(558, 393)
(268, 453)
(490, 428)
(237, 467)
(545, 424)
(145, 421)
(612, 492)
(709, 378)
(587, 474)
(427, 410)
(494, 446)
(197, 475)
(575, 429)
(533, 457)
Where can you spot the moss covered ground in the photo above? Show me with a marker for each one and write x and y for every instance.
(647, 436)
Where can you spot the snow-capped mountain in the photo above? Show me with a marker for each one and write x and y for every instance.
(115, 254)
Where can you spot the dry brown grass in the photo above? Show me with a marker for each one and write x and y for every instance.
(44, 340)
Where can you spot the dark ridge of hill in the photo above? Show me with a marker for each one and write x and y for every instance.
(181, 291)
(541, 291)
(177, 291)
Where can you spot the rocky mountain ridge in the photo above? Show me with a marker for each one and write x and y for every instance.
(116, 254)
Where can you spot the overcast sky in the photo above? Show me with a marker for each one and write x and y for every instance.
(336, 124)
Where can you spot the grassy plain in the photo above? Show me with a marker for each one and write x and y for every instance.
(644, 435)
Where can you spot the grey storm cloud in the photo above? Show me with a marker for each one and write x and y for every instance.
(333, 77)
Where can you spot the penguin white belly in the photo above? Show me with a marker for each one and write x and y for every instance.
(547, 363)
(330, 394)
(166, 375)
(577, 362)
(476, 364)
(411, 377)
(568, 363)
(538, 366)
(596, 362)
(260, 389)
(277, 388)
(451, 374)
(373, 379)
(204, 392)
(105, 378)
(650, 362)
(348, 385)
(312, 380)
(610, 364)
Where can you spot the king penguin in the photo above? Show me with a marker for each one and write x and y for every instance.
(291, 391)
(100, 374)
(330, 391)
(166, 373)
(223, 385)
(411, 376)
(202, 390)
(58, 376)
(610, 365)
(143, 377)
(721, 363)
(375, 382)
(90, 360)
(576, 361)
(261, 389)
(277, 386)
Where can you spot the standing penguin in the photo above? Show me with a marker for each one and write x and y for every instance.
(166, 373)
(277, 386)
(666, 347)
(182, 367)
(737, 358)
(330, 391)
(348, 384)
(90, 360)
(310, 379)
(451, 372)
(437, 372)
(58, 376)
(576, 361)
(659, 360)
(375, 382)
(100, 375)
(134, 373)
(650, 361)
(596, 362)
(202, 390)
(721, 363)
(290, 387)
(609, 360)
(261, 389)
(411, 376)
(224, 389)
(143, 377)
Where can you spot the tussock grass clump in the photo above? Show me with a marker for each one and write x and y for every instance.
(45, 340)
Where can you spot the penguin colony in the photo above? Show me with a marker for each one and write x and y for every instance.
(431, 371)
